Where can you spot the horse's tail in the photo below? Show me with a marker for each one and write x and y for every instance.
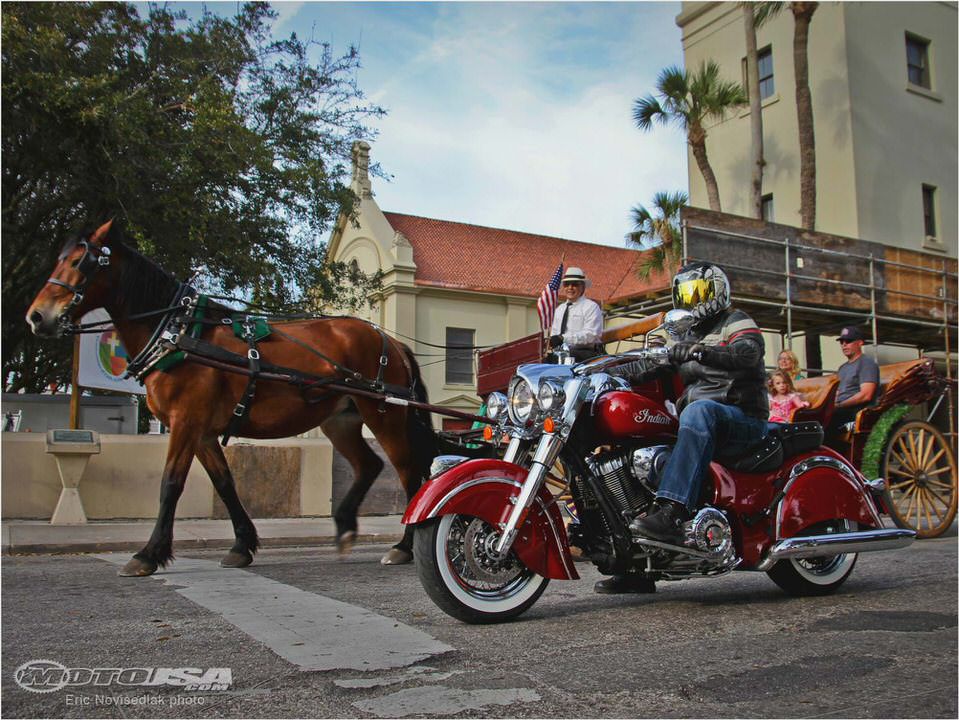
(423, 439)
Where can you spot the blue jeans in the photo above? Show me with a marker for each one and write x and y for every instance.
(704, 427)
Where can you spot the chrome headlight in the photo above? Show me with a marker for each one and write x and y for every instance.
(522, 402)
(495, 405)
(551, 395)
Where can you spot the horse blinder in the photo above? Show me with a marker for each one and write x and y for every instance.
(87, 266)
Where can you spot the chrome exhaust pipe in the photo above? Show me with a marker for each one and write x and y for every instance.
(837, 544)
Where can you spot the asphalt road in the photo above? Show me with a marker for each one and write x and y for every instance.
(884, 646)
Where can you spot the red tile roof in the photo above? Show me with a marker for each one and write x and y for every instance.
(471, 257)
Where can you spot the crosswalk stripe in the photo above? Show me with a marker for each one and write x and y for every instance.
(311, 631)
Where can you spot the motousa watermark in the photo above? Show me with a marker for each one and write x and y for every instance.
(47, 676)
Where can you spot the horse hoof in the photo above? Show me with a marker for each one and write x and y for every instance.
(396, 557)
(235, 559)
(344, 543)
(138, 568)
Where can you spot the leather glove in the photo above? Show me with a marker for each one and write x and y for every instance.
(555, 341)
(683, 352)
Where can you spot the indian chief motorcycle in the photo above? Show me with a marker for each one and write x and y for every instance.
(489, 534)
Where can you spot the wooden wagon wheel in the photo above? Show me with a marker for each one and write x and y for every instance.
(557, 481)
(920, 471)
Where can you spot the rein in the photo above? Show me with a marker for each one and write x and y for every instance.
(176, 338)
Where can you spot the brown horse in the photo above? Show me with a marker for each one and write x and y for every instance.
(197, 402)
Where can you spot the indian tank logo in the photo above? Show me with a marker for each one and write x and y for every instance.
(112, 357)
(657, 418)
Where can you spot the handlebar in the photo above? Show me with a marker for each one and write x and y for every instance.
(658, 356)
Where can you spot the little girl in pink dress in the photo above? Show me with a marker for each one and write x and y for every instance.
(783, 398)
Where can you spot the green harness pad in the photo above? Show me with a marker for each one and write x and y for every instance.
(199, 312)
(261, 328)
(261, 331)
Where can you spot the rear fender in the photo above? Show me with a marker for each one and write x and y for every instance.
(823, 486)
(483, 488)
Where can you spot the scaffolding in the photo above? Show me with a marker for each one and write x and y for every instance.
(796, 299)
(802, 284)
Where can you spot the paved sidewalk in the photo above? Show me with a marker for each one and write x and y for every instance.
(39, 536)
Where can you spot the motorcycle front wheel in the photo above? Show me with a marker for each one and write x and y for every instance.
(805, 577)
(464, 577)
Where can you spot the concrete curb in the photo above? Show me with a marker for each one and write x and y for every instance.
(37, 537)
(180, 545)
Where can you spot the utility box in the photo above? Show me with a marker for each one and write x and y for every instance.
(34, 412)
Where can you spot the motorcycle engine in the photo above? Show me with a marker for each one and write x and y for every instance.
(710, 532)
(631, 476)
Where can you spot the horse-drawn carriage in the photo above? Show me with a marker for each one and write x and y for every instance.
(895, 438)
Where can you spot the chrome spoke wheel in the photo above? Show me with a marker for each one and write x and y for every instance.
(465, 576)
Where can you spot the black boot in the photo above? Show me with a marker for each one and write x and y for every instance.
(618, 584)
(664, 523)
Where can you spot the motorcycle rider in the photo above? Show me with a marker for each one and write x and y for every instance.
(722, 412)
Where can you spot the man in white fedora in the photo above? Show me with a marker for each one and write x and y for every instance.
(578, 322)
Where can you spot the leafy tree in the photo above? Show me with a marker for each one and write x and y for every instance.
(802, 17)
(689, 100)
(222, 150)
(659, 233)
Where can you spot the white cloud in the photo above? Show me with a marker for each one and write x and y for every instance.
(287, 13)
(507, 116)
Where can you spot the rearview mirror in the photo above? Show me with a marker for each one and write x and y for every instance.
(678, 322)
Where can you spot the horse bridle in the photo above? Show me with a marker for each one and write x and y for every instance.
(87, 266)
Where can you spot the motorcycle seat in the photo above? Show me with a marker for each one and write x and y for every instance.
(798, 437)
(782, 441)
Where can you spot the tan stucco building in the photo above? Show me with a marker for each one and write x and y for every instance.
(883, 78)
(446, 282)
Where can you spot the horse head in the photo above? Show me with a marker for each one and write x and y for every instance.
(76, 284)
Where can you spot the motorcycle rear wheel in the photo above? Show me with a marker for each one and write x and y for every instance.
(807, 577)
(464, 579)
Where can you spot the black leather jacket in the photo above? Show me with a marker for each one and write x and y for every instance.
(731, 371)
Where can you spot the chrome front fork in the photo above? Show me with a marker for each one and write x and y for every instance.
(546, 453)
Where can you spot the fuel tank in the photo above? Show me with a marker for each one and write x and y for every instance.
(621, 414)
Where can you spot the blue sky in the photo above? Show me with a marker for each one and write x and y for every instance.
(512, 115)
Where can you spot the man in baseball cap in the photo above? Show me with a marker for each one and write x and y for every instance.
(858, 381)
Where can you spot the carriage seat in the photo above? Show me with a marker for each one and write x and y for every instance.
(820, 392)
(782, 441)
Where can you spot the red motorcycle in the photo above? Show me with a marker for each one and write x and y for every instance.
(490, 536)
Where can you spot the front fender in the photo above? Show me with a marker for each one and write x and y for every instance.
(822, 487)
(483, 488)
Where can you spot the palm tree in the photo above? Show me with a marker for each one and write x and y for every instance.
(802, 16)
(755, 109)
(660, 233)
(689, 100)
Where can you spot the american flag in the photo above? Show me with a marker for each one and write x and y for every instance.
(546, 305)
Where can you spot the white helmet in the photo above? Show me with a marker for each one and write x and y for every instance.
(702, 288)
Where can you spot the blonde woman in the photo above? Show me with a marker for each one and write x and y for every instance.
(789, 364)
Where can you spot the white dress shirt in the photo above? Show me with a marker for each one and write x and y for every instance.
(585, 325)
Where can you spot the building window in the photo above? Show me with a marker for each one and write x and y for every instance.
(459, 356)
(917, 61)
(929, 210)
(768, 207)
(766, 85)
